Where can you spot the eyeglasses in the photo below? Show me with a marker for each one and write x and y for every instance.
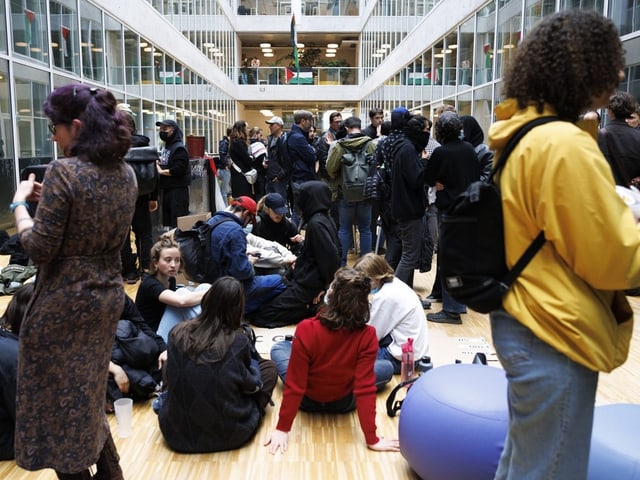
(52, 128)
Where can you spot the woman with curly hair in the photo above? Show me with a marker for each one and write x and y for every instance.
(86, 203)
(565, 318)
(329, 364)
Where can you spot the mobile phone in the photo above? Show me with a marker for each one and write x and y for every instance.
(38, 170)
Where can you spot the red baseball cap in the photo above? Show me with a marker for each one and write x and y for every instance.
(247, 203)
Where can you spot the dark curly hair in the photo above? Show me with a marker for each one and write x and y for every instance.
(449, 127)
(348, 305)
(104, 136)
(568, 60)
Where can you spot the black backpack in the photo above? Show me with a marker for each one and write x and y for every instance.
(354, 170)
(472, 258)
(143, 161)
(283, 152)
(195, 250)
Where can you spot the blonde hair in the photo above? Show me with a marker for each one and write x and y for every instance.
(166, 241)
(375, 267)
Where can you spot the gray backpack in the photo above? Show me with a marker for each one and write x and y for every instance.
(354, 171)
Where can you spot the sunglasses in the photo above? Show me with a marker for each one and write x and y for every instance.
(52, 128)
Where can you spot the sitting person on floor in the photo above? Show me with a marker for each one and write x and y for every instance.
(396, 311)
(315, 266)
(229, 253)
(217, 385)
(157, 300)
(272, 223)
(137, 358)
(9, 330)
(330, 365)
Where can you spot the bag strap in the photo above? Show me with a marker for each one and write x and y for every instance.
(540, 239)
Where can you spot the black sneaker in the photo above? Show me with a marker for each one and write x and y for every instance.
(434, 299)
(445, 317)
(425, 303)
(131, 278)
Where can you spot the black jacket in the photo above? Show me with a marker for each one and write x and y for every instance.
(625, 140)
(320, 257)
(408, 200)
(176, 159)
(455, 165)
(8, 376)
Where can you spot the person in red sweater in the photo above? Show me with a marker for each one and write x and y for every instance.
(329, 365)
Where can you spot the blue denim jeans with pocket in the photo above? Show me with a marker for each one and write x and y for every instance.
(551, 403)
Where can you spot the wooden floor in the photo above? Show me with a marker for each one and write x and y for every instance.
(321, 446)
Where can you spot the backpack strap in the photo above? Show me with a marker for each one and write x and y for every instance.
(540, 239)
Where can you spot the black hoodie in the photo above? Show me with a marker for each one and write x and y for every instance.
(176, 157)
(320, 257)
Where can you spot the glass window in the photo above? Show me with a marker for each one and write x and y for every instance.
(597, 5)
(91, 43)
(114, 51)
(484, 45)
(509, 34)
(29, 21)
(132, 48)
(536, 10)
(466, 49)
(3, 33)
(64, 35)
(34, 143)
(626, 15)
(7, 167)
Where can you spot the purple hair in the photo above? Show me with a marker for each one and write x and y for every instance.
(104, 136)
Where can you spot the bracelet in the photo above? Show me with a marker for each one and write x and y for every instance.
(14, 205)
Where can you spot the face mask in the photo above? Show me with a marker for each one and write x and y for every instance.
(164, 136)
(248, 228)
(375, 290)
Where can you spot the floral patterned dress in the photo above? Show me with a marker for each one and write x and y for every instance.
(80, 224)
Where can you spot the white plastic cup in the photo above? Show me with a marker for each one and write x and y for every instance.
(124, 414)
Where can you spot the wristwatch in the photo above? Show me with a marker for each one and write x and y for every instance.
(14, 205)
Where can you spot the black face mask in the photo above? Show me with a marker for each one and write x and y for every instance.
(420, 139)
(164, 136)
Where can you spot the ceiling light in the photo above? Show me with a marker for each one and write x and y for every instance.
(36, 49)
(454, 46)
(208, 44)
(24, 110)
(300, 45)
(332, 45)
(214, 49)
(96, 49)
(377, 55)
(158, 54)
(21, 44)
(54, 44)
(265, 45)
(266, 113)
(267, 50)
(217, 54)
(509, 45)
(143, 44)
(381, 50)
(330, 55)
(268, 54)
(448, 50)
(386, 45)
(439, 55)
(147, 49)
(331, 50)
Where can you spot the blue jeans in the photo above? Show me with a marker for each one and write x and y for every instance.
(410, 233)
(260, 289)
(551, 402)
(360, 214)
(225, 184)
(174, 315)
(281, 352)
(385, 354)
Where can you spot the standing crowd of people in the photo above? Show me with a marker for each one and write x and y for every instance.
(565, 319)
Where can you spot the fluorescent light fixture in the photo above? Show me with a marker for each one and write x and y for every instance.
(509, 45)
(381, 50)
(265, 45)
(300, 45)
(332, 45)
(24, 110)
(439, 55)
(217, 54)
(448, 50)
(453, 46)
(377, 55)
(330, 55)
(267, 50)
(214, 49)
(157, 54)
(96, 49)
(143, 44)
(266, 113)
(500, 50)
(147, 49)
(331, 50)
(36, 49)
(21, 44)
(54, 44)
(267, 54)
(208, 44)
(385, 45)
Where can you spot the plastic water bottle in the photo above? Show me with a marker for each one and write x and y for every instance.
(407, 366)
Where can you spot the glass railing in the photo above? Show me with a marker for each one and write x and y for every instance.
(289, 76)
(283, 7)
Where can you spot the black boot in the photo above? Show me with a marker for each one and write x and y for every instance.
(85, 475)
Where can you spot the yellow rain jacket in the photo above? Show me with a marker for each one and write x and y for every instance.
(557, 180)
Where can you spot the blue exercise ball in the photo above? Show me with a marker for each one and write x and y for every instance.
(453, 422)
(615, 443)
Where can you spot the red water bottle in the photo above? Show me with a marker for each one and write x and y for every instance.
(407, 365)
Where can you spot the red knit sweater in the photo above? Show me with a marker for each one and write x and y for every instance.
(327, 365)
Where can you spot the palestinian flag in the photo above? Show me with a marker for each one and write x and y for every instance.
(303, 76)
(294, 44)
(66, 41)
(29, 24)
